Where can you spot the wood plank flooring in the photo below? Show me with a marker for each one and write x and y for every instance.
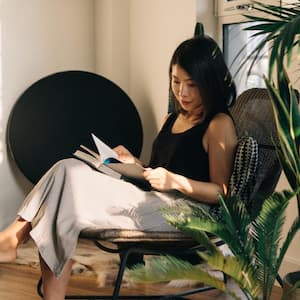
(18, 282)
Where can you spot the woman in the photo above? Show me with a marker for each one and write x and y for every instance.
(191, 160)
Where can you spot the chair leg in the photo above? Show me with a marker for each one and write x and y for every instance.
(39, 287)
(124, 256)
(279, 280)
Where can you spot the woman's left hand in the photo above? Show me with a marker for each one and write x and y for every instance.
(159, 178)
(124, 155)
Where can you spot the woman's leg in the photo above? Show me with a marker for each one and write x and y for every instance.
(54, 288)
(16, 233)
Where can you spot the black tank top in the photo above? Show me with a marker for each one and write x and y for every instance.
(181, 153)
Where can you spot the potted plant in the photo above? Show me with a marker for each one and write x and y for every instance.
(254, 243)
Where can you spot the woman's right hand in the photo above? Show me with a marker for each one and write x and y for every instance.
(161, 179)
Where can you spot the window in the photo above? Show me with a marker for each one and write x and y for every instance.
(237, 45)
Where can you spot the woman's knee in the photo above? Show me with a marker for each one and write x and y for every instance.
(67, 162)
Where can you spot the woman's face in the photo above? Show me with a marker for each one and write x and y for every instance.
(185, 90)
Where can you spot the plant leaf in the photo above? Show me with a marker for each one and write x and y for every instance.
(170, 268)
(282, 27)
(268, 227)
(286, 133)
(240, 271)
(292, 232)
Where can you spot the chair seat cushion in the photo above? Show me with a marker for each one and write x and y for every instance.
(140, 236)
(123, 235)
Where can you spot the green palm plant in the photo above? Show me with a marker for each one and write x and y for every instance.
(257, 245)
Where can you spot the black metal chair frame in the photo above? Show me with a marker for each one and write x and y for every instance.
(125, 249)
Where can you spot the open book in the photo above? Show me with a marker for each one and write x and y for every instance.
(107, 161)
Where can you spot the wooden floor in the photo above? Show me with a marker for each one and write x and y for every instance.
(18, 282)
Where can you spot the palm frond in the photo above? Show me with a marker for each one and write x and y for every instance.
(287, 35)
(233, 228)
(282, 27)
(291, 234)
(283, 83)
(254, 55)
(264, 25)
(268, 227)
(287, 169)
(170, 268)
(286, 113)
(196, 228)
(236, 216)
(276, 10)
(294, 118)
(240, 271)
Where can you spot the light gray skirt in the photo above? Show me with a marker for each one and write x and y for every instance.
(71, 196)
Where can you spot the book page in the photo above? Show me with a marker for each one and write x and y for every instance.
(104, 150)
(91, 152)
(110, 159)
(91, 160)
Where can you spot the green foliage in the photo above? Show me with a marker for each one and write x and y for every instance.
(287, 117)
(281, 26)
(254, 244)
(168, 268)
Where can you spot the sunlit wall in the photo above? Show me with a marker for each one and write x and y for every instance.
(38, 37)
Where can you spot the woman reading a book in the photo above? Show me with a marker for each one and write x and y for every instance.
(191, 160)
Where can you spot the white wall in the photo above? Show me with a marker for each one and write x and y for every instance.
(129, 41)
(39, 37)
(139, 37)
(112, 40)
(156, 29)
(205, 15)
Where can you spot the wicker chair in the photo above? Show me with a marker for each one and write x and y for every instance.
(66, 120)
(253, 116)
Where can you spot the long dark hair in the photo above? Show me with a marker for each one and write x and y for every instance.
(203, 60)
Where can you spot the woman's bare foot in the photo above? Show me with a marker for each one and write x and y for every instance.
(15, 234)
(8, 248)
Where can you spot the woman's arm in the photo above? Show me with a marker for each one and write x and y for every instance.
(125, 156)
(220, 142)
